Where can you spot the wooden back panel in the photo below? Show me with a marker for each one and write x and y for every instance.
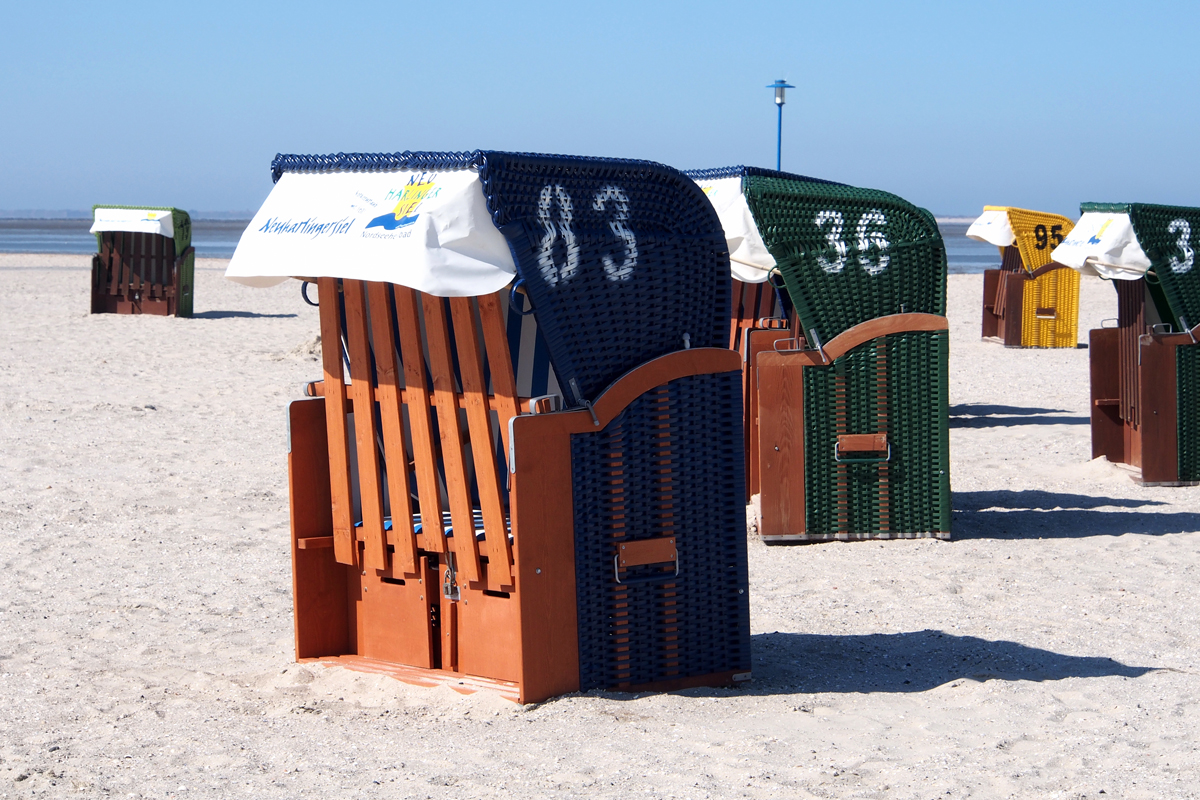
(134, 273)
(421, 366)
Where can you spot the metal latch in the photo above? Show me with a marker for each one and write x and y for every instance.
(450, 580)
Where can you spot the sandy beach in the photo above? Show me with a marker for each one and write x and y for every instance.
(1051, 650)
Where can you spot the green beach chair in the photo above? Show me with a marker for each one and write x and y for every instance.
(145, 263)
(851, 411)
(1145, 372)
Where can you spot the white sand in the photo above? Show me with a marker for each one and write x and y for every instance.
(145, 600)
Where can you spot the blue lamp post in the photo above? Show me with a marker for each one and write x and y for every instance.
(780, 86)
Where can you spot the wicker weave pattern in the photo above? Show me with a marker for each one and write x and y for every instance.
(1058, 290)
(1187, 389)
(1035, 246)
(598, 326)
(669, 465)
(743, 171)
(1037, 234)
(896, 385)
(826, 240)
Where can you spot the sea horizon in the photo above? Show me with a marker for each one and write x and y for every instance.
(215, 234)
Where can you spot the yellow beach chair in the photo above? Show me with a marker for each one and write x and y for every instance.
(1031, 301)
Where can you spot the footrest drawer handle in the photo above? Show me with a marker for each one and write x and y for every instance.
(862, 443)
(640, 552)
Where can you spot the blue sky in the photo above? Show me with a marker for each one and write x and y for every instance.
(950, 105)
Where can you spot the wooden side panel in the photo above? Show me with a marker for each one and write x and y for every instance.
(991, 282)
(781, 445)
(1014, 304)
(1108, 435)
(542, 514)
(757, 342)
(318, 581)
(370, 484)
(392, 423)
(344, 547)
(487, 478)
(416, 398)
(445, 398)
(1159, 428)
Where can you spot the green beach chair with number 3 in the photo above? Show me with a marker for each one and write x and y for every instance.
(1145, 372)
(852, 410)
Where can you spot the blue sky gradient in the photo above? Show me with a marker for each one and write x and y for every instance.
(951, 105)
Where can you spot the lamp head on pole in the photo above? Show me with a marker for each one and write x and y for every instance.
(780, 86)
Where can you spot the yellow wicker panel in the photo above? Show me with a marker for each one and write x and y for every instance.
(1037, 235)
(1057, 290)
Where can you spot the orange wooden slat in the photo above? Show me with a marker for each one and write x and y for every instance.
(429, 498)
(504, 381)
(445, 398)
(370, 485)
(470, 368)
(388, 395)
(344, 548)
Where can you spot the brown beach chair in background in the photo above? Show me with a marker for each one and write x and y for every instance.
(145, 262)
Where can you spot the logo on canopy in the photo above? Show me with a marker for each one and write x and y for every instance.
(405, 212)
(1096, 236)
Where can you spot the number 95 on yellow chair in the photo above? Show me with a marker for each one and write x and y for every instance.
(1031, 301)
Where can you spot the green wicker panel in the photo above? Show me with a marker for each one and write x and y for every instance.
(1187, 404)
(897, 385)
(849, 255)
(187, 284)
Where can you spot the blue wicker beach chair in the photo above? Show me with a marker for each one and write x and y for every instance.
(1145, 372)
(847, 401)
(549, 380)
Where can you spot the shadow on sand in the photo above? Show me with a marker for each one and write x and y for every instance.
(909, 662)
(238, 314)
(980, 415)
(1051, 515)
(807, 663)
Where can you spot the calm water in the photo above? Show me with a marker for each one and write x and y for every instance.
(218, 238)
(212, 238)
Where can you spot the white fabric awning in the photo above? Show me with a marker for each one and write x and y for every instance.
(430, 231)
(1105, 245)
(135, 220)
(749, 259)
(993, 227)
